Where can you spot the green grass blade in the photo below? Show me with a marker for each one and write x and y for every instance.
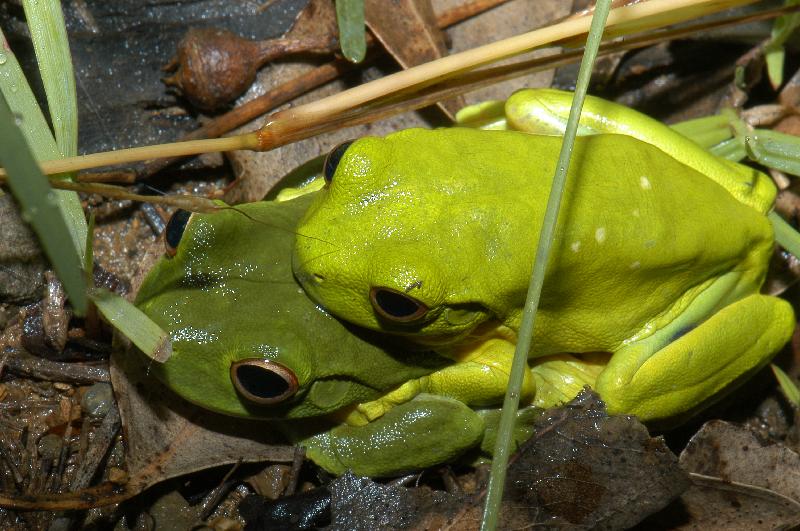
(775, 150)
(40, 208)
(23, 104)
(732, 149)
(494, 493)
(774, 52)
(49, 36)
(785, 235)
(88, 255)
(133, 324)
(707, 131)
(352, 33)
(788, 387)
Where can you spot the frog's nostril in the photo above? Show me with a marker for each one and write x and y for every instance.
(263, 382)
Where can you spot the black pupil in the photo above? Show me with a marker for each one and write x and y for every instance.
(175, 227)
(333, 158)
(261, 382)
(395, 304)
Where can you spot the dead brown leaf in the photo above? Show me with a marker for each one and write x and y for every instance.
(738, 482)
(409, 32)
(586, 468)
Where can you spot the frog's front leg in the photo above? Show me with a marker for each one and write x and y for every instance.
(426, 431)
(682, 367)
(479, 376)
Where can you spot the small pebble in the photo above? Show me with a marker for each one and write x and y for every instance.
(97, 400)
(49, 446)
(117, 475)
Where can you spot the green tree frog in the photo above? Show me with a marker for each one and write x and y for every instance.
(247, 342)
(658, 259)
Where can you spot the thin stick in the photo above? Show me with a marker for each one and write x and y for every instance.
(304, 121)
(124, 156)
(519, 365)
(487, 76)
(286, 123)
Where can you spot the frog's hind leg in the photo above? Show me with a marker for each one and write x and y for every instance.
(426, 431)
(691, 367)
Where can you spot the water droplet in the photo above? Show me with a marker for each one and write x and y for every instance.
(17, 119)
(13, 89)
(3, 58)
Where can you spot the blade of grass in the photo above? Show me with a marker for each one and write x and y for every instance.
(494, 493)
(49, 37)
(774, 52)
(133, 324)
(785, 235)
(789, 388)
(352, 36)
(22, 102)
(40, 207)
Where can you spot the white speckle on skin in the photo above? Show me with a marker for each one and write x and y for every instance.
(644, 182)
(600, 234)
(650, 243)
(576, 246)
(636, 265)
(636, 213)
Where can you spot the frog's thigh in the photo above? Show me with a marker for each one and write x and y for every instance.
(426, 431)
(690, 370)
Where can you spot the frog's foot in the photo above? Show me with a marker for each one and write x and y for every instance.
(423, 432)
(478, 378)
(523, 427)
(558, 379)
(681, 369)
(485, 115)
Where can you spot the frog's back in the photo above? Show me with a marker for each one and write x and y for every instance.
(637, 228)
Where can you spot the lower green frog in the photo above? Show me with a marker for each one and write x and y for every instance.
(659, 255)
(247, 342)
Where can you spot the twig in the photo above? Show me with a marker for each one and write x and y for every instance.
(103, 437)
(213, 498)
(294, 474)
(22, 363)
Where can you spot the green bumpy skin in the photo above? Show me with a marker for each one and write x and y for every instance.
(659, 254)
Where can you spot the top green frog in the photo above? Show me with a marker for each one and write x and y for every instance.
(659, 254)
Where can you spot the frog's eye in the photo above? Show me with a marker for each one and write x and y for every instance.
(263, 382)
(333, 158)
(173, 232)
(396, 306)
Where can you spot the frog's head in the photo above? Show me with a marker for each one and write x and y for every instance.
(386, 245)
(246, 339)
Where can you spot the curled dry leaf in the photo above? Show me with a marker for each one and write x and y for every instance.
(586, 468)
(168, 437)
(409, 32)
(738, 482)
